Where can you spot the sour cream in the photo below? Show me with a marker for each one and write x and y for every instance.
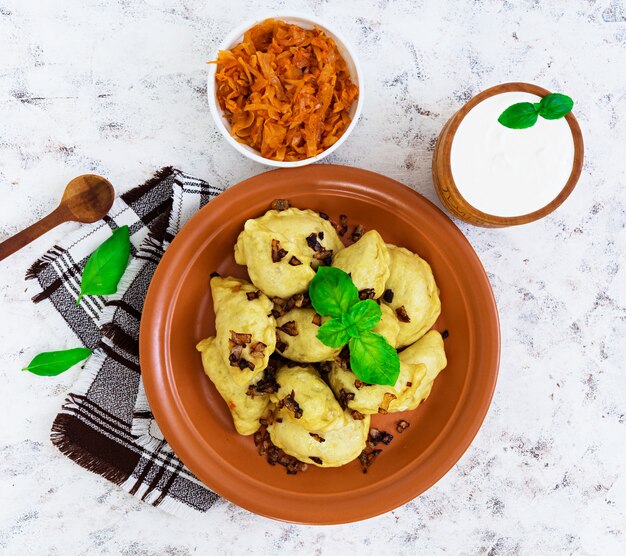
(510, 172)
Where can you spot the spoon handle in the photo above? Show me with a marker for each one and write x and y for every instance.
(19, 240)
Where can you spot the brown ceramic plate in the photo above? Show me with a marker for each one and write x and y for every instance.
(196, 422)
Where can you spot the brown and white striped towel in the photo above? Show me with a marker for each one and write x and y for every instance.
(105, 424)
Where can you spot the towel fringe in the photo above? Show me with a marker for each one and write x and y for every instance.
(145, 439)
(138, 192)
(177, 200)
(37, 298)
(158, 230)
(34, 269)
(60, 439)
(49, 256)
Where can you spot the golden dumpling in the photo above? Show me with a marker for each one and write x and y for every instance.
(245, 330)
(304, 397)
(281, 249)
(339, 444)
(367, 262)
(311, 234)
(275, 265)
(415, 294)
(376, 398)
(297, 334)
(388, 325)
(246, 410)
(429, 352)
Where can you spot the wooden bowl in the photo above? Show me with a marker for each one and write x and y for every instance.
(447, 190)
(178, 313)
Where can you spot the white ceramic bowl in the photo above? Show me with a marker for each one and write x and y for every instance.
(306, 22)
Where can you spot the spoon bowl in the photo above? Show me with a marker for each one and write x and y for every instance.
(88, 198)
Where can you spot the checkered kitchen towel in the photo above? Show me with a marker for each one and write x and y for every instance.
(105, 424)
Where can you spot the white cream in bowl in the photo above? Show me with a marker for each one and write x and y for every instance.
(510, 172)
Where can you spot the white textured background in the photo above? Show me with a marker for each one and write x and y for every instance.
(118, 88)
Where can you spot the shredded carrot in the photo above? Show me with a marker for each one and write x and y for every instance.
(286, 91)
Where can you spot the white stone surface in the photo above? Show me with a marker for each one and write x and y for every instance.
(118, 88)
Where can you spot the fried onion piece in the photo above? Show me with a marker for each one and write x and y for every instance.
(280, 204)
(278, 253)
(290, 328)
(257, 350)
(317, 437)
(289, 402)
(367, 457)
(402, 425)
(402, 315)
(240, 338)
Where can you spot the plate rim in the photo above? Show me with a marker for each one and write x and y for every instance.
(153, 356)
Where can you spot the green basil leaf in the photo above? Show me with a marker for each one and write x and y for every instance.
(332, 292)
(333, 333)
(519, 116)
(106, 265)
(53, 363)
(555, 106)
(365, 314)
(373, 359)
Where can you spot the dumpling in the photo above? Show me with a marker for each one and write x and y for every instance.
(282, 248)
(244, 327)
(337, 445)
(388, 325)
(311, 234)
(367, 262)
(304, 397)
(274, 263)
(297, 337)
(429, 352)
(415, 294)
(246, 410)
(376, 398)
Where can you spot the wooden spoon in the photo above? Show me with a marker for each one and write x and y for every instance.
(86, 199)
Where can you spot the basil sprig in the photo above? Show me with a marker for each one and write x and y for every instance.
(372, 359)
(53, 363)
(106, 265)
(523, 115)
